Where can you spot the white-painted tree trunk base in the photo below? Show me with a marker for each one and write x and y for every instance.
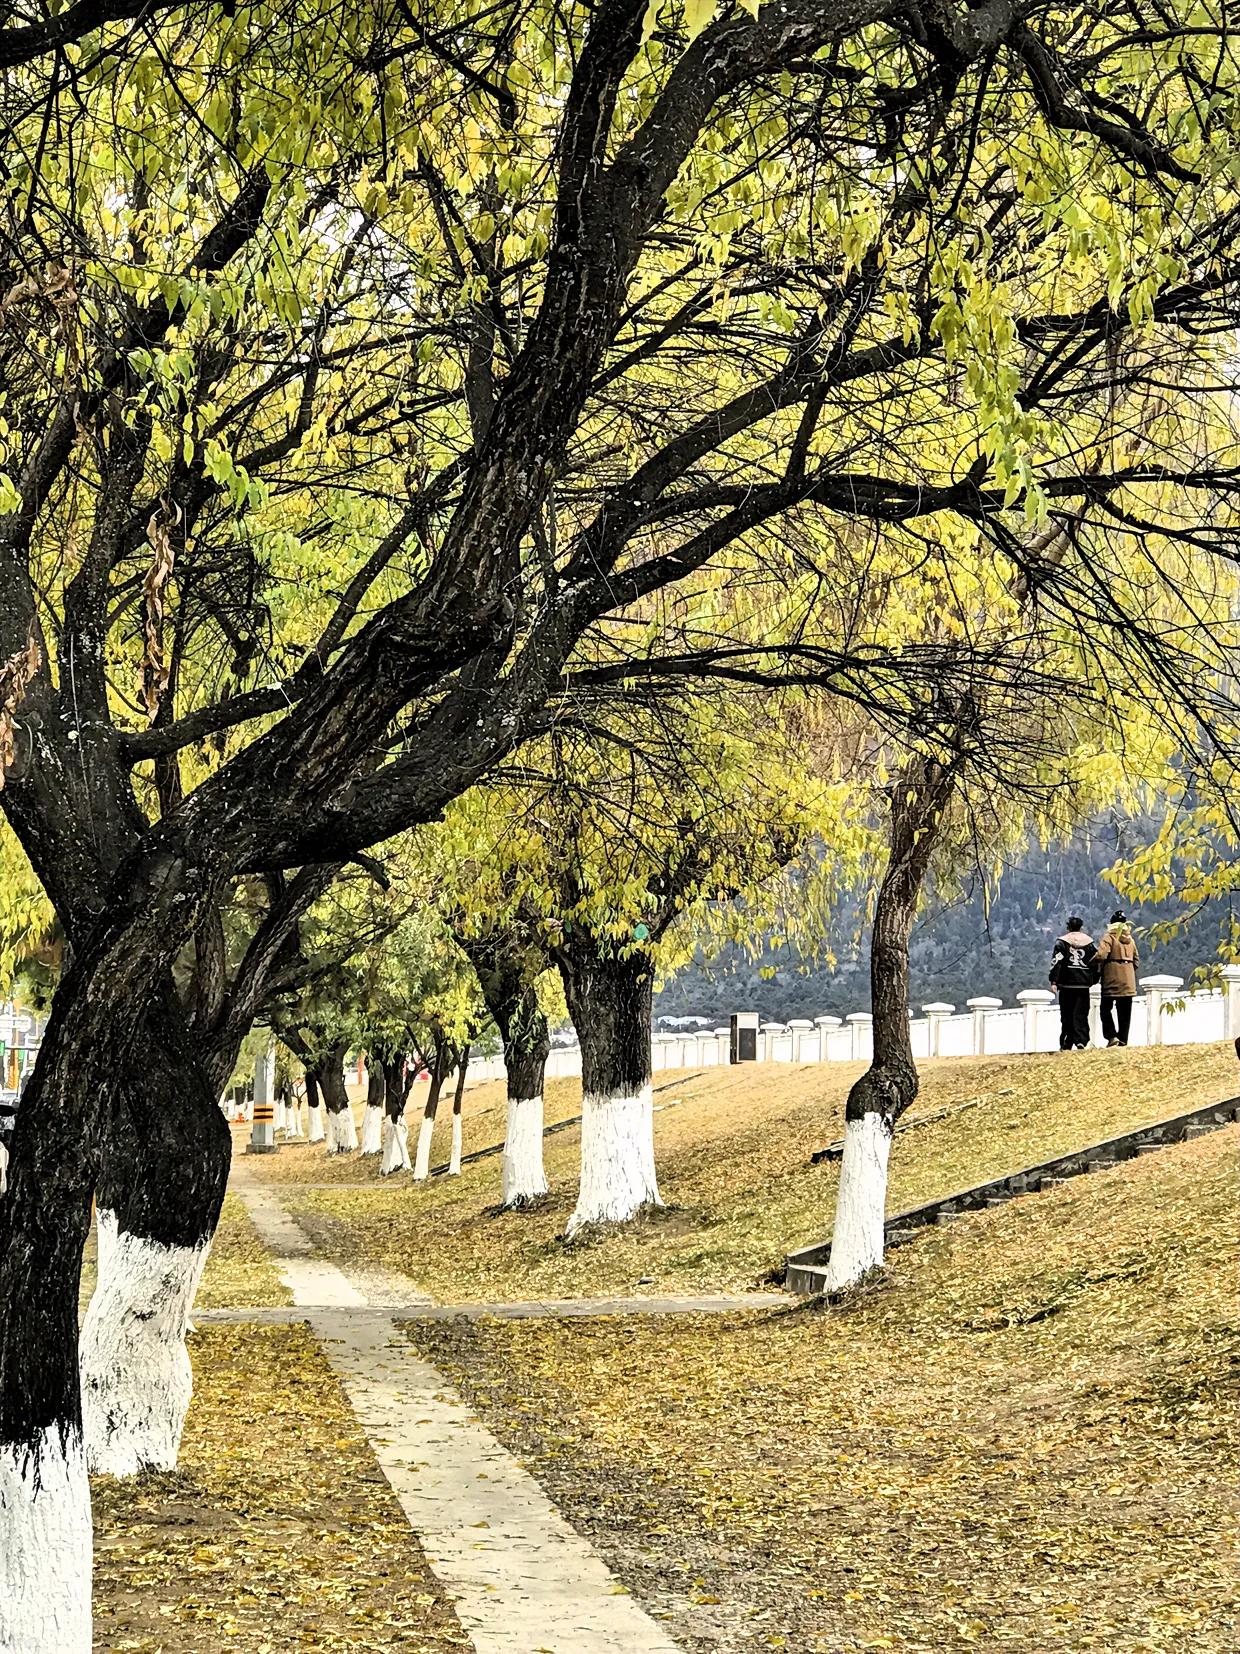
(395, 1148)
(292, 1121)
(4, 1168)
(45, 1547)
(617, 1159)
(861, 1205)
(136, 1375)
(315, 1133)
(372, 1130)
(525, 1179)
(279, 1115)
(341, 1131)
(422, 1160)
(454, 1160)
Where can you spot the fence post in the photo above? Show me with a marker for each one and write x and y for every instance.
(979, 1007)
(802, 1029)
(1031, 998)
(1095, 1015)
(1158, 989)
(1231, 1000)
(934, 1016)
(859, 1021)
(824, 1026)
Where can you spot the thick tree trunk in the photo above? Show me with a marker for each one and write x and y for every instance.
(878, 1099)
(341, 1131)
(372, 1119)
(458, 1098)
(609, 998)
(396, 1082)
(111, 1017)
(45, 1524)
(165, 1167)
(314, 1109)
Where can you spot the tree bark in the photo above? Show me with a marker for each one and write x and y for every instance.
(506, 970)
(458, 1098)
(439, 1070)
(918, 802)
(111, 1012)
(609, 998)
(397, 1078)
(314, 1107)
(341, 1131)
(372, 1119)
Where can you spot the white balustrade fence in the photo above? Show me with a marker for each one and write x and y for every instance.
(1163, 1015)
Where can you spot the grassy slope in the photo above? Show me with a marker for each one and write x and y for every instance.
(1020, 1441)
(278, 1531)
(734, 1167)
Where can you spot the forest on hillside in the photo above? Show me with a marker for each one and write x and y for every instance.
(994, 941)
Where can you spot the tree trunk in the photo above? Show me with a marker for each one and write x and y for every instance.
(609, 998)
(918, 801)
(110, 1013)
(292, 1113)
(341, 1131)
(454, 1162)
(163, 1173)
(372, 1119)
(507, 966)
(527, 1044)
(314, 1108)
(396, 1082)
(426, 1131)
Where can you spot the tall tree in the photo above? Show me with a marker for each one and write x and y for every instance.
(322, 351)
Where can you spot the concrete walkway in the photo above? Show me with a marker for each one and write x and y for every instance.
(548, 1309)
(522, 1580)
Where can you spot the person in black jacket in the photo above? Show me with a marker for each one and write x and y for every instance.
(1072, 972)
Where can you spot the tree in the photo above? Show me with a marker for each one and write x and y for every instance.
(707, 299)
(613, 857)
(509, 955)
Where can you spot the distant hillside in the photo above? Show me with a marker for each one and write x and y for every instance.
(960, 950)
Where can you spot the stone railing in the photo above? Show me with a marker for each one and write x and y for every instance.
(1163, 1014)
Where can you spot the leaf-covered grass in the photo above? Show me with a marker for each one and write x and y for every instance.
(278, 1532)
(1023, 1439)
(239, 1269)
(733, 1148)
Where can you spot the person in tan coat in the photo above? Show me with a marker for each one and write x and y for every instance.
(1117, 955)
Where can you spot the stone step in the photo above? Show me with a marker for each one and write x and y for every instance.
(1099, 1157)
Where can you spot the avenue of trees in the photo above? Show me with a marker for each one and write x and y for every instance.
(682, 447)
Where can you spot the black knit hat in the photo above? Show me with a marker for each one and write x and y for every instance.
(1119, 918)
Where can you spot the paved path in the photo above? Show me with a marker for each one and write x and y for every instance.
(522, 1580)
(549, 1309)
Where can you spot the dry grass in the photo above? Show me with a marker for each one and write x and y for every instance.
(734, 1167)
(278, 1532)
(239, 1268)
(1020, 1441)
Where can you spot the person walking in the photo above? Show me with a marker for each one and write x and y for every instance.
(1071, 973)
(1118, 957)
